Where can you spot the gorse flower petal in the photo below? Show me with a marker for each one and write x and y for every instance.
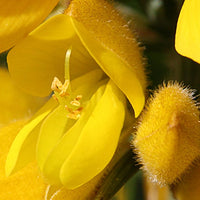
(18, 18)
(15, 104)
(187, 41)
(112, 46)
(168, 138)
(23, 148)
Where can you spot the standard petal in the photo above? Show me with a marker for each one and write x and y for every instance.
(187, 40)
(18, 18)
(36, 60)
(112, 45)
(98, 140)
(23, 148)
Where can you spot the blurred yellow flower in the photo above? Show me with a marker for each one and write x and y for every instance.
(75, 137)
(187, 41)
(18, 18)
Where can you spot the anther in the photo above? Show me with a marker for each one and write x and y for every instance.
(75, 103)
(78, 97)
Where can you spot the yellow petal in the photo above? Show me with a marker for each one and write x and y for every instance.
(18, 18)
(24, 185)
(50, 132)
(101, 132)
(112, 45)
(36, 60)
(187, 41)
(15, 104)
(83, 146)
(23, 148)
(86, 191)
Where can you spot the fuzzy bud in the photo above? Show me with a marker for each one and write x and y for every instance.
(168, 137)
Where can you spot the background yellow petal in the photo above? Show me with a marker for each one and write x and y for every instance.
(23, 147)
(24, 185)
(36, 60)
(18, 18)
(111, 38)
(187, 41)
(14, 103)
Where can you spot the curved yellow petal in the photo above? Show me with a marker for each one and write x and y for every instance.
(22, 150)
(98, 140)
(112, 45)
(187, 41)
(15, 104)
(51, 131)
(18, 18)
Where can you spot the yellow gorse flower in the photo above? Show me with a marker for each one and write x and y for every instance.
(168, 138)
(18, 18)
(187, 41)
(75, 135)
(28, 183)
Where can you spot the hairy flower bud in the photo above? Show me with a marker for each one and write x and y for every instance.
(168, 138)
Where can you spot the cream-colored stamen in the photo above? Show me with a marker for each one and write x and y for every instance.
(73, 114)
(75, 103)
(78, 97)
(57, 86)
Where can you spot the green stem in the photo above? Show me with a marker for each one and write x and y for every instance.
(117, 177)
